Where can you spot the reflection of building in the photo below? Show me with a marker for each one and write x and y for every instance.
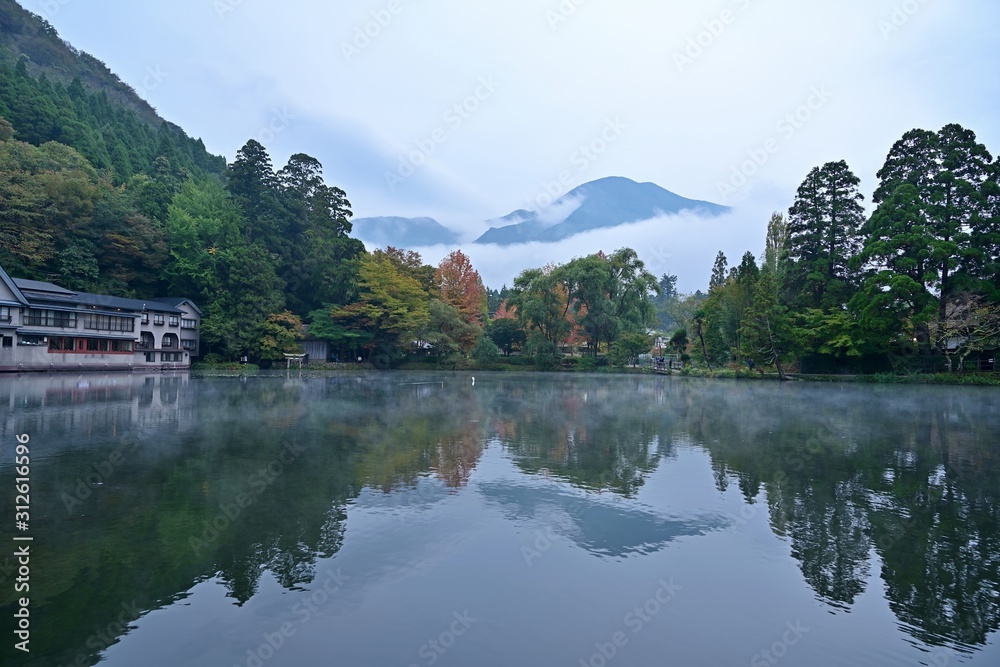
(45, 327)
(59, 407)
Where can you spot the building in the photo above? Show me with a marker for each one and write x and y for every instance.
(45, 327)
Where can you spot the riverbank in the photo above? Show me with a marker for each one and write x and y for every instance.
(589, 365)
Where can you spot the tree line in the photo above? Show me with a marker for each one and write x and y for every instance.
(916, 283)
(98, 200)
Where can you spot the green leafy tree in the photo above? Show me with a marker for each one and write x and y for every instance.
(391, 309)
(506, 334)
(540, 301)
(767, 332)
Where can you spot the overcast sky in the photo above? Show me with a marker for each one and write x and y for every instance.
(464, 110)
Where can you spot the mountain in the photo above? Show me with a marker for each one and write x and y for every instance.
(403, 232)
(51, 91)
(607, 202)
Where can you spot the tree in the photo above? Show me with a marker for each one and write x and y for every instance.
(247, 294)
(971, 324)
(391, 309)
(767, 332)
(448, 332)
(485, 352)
(506, 334)
(718, 278)
(823, 233)
(541, 303)
(776, 245)
(941, 183)
(629, 346)
(461, 287)
(679, 343)
(280, 334)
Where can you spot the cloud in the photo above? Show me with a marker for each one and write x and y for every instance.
(560, 210)
(683, 245)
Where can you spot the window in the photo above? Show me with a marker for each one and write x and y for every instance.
(121, 346)
(31, 340)
(108, 323)
(150, 357)
(174, 321)
(37, 317)
(189, 344)
(8, 341)
(145, 318)
(4, 313)
(189, 324)
(171, 356)
(98, 345)
(169, 341)
(158, 319)
(62, 344)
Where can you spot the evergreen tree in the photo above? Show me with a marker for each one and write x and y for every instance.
(824, 232)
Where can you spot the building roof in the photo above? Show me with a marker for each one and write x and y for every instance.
(176, 302)
(39, 286)
(39, 291)
(12, 286)
(121, 303)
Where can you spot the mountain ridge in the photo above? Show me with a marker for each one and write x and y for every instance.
(600, 204)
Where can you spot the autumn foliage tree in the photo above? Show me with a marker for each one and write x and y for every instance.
(461, 287)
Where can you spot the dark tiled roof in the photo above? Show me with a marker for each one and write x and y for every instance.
(39, 286)
(48, 292)
(117, 302)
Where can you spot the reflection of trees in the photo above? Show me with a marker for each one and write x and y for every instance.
(910, 474)
(596, 433)
(906, 471)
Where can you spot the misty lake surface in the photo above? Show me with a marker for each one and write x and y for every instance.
(417, 519)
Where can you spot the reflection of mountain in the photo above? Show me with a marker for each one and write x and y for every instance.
(590, 434)
(606, 530)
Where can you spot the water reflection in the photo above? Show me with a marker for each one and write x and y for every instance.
(605, 530)
(146, 485)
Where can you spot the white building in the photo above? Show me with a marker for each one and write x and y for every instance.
(45, 327)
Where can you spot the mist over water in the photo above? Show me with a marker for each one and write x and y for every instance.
(410, 518)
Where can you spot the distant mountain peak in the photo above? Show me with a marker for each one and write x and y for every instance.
(403, 232)
(600, 204)
(603, 203)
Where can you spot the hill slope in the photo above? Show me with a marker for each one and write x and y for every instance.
(50, 91)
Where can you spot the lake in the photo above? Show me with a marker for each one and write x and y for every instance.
(418, 519)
